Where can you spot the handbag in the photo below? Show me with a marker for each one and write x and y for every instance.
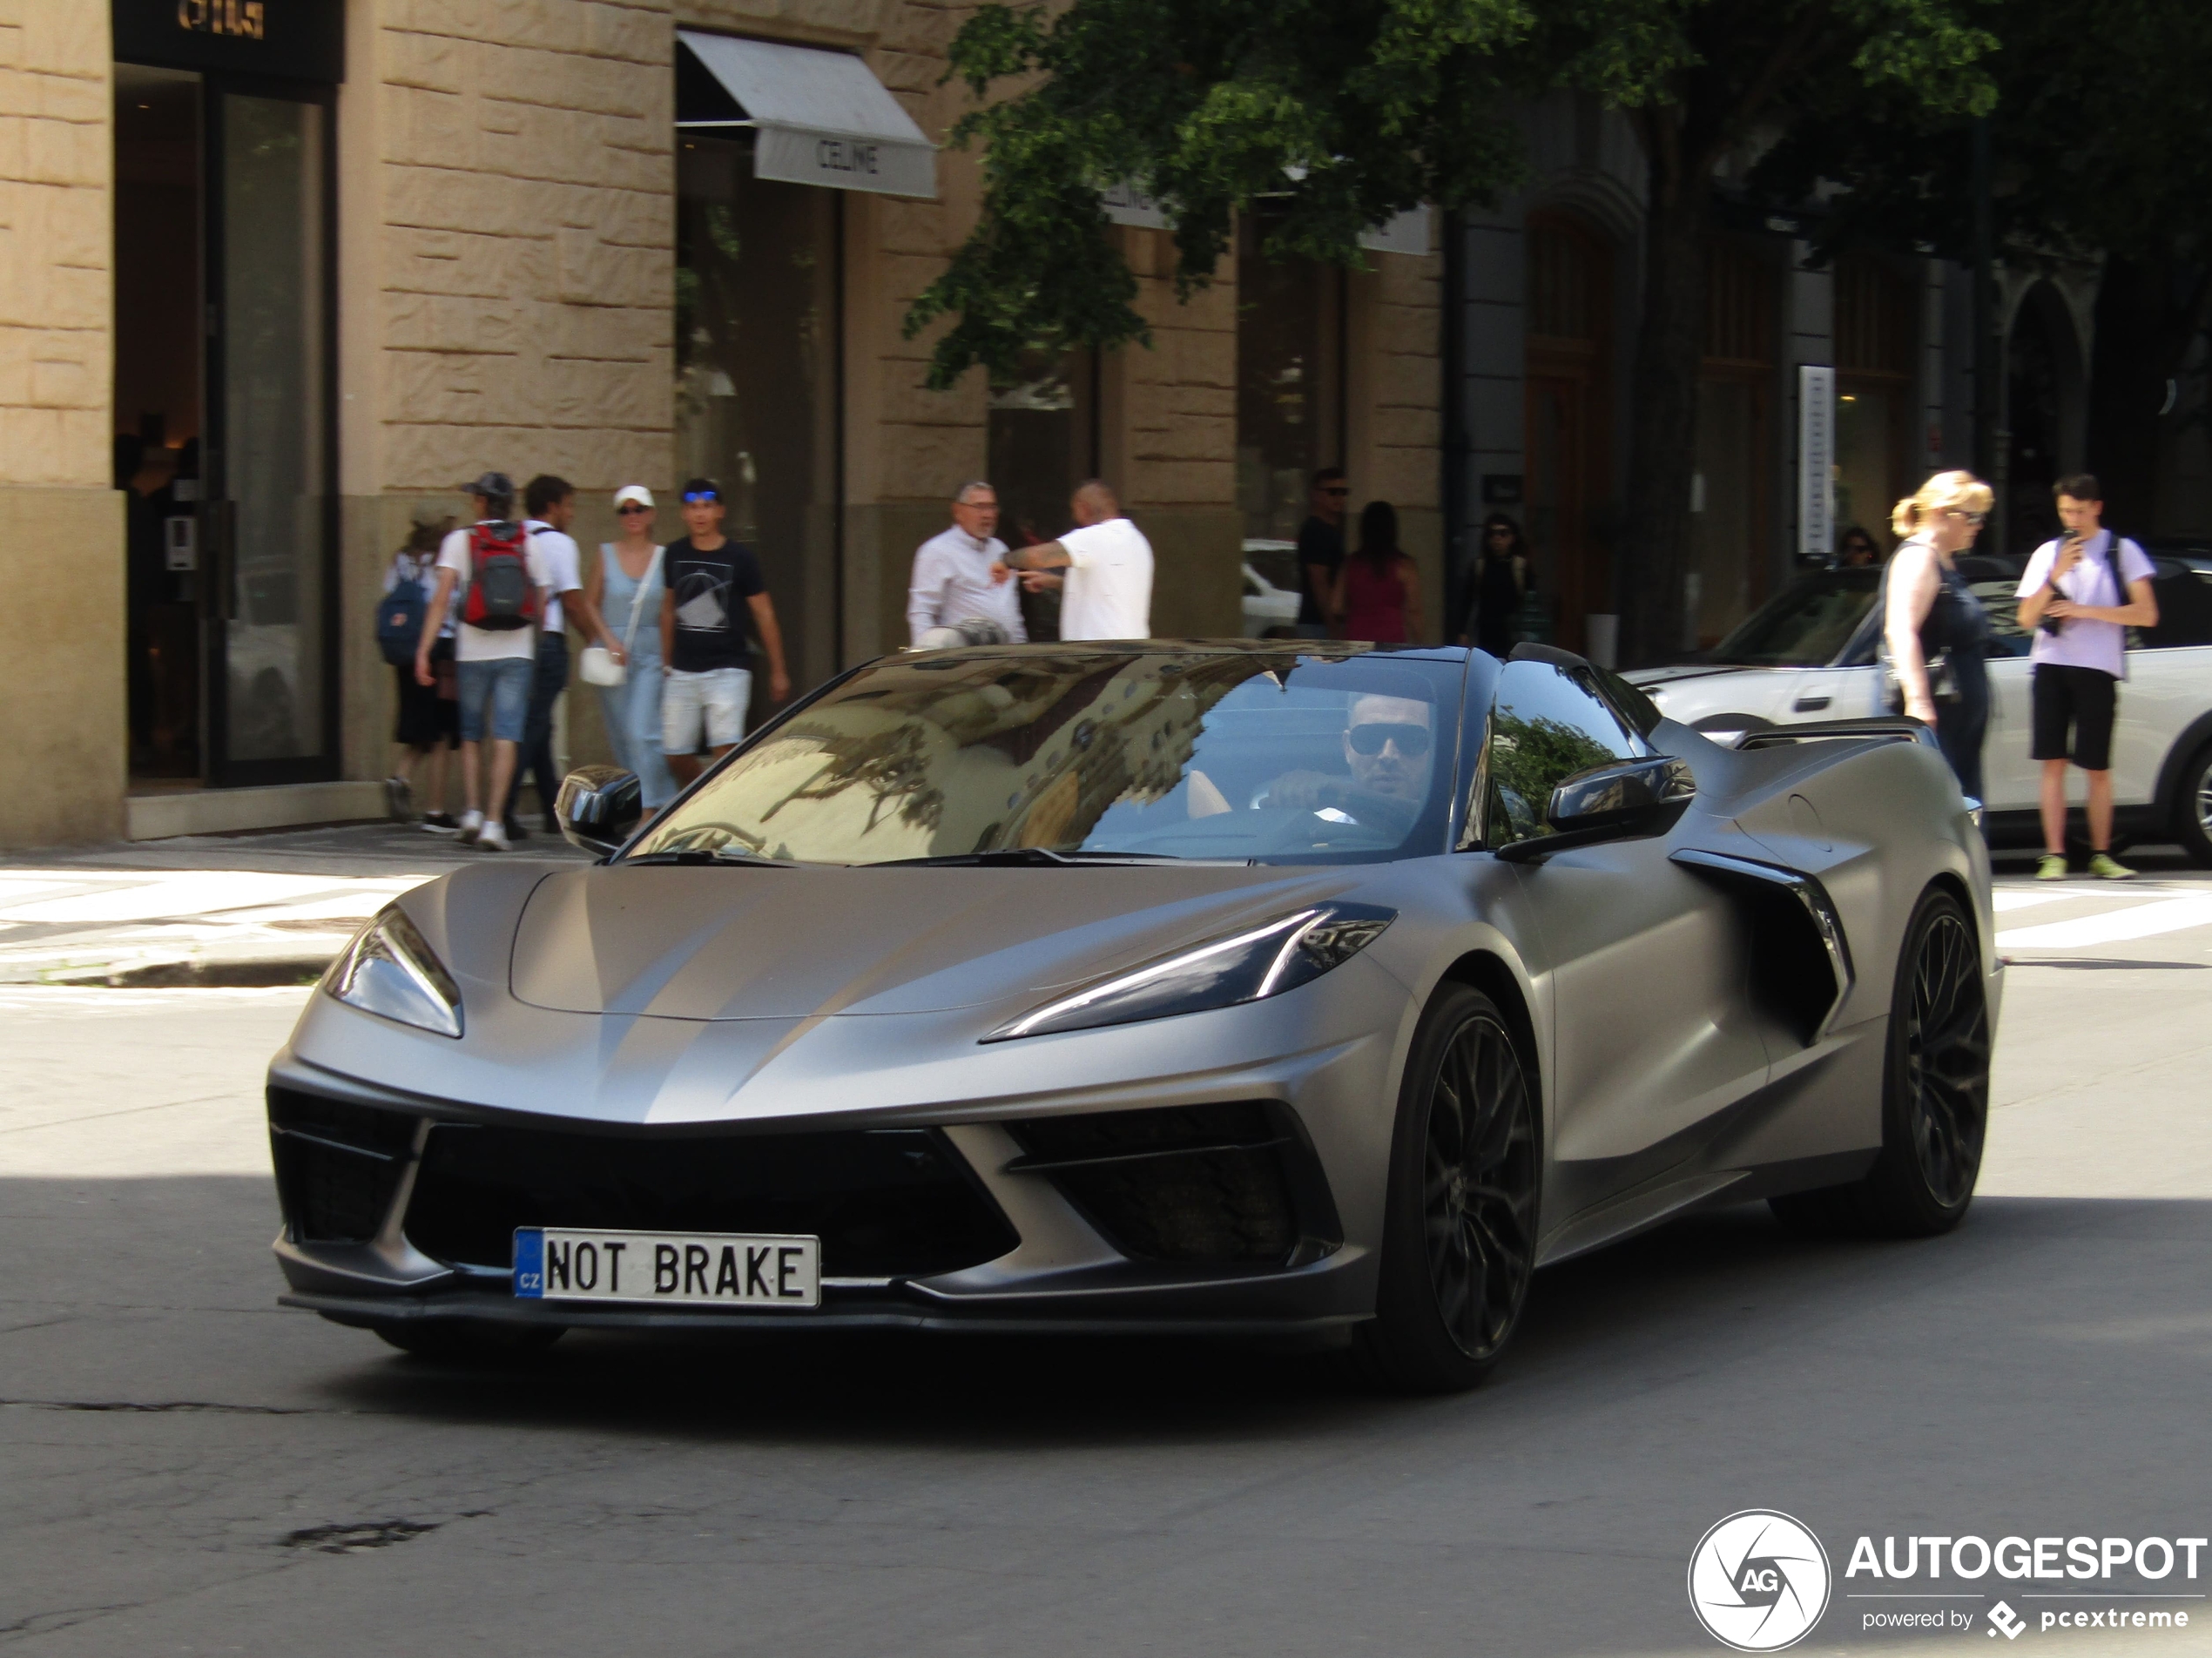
(597, 666)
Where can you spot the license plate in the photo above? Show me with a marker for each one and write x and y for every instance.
(668, 1269)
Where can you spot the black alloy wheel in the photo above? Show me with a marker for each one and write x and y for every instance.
(1459, 1244)
(1935, 1094)
(2193, 809)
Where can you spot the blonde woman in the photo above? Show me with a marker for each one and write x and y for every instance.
(1929, 608)
(626, 591)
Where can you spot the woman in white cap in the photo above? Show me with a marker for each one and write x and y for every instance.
(626, 589)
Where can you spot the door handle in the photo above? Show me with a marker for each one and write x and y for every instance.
(1810, 705)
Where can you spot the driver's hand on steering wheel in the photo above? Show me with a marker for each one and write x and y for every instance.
(1303, 791)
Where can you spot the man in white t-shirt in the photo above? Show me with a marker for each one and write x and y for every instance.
(494, 664)
(1108, 593)
(962, 573)
(2073, 605)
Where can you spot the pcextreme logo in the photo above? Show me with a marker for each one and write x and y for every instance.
(1758, 1580)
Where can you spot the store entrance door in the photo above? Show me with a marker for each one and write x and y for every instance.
(224, 440)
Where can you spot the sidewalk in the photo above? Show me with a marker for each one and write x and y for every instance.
(255, 909)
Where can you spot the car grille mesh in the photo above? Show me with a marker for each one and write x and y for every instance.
(338, 1166)
(1197, 1185)
(895, 1202)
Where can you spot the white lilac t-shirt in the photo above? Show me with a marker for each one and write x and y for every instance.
(1108, 591)
(489, 644)
(563, 569)
(2080, 642)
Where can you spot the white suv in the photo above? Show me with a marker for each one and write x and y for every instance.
(1808, 654)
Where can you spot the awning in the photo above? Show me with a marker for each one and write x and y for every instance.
(822, 117)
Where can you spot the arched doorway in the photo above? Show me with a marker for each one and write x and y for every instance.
(1569, 412)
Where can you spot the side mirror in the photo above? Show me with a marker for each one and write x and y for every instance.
(1620, 801)
(598, 808)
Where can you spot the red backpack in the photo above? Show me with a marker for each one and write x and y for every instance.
(502, 596)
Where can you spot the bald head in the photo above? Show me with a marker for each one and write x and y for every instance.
(1094, 502)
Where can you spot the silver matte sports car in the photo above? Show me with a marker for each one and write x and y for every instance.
(1233, 988)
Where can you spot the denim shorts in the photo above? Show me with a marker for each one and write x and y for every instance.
(715, 699)
(505, 684)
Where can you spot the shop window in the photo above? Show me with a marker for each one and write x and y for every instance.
(1290, 383)
(1875, 340)
(1727, 573)
(756, 379)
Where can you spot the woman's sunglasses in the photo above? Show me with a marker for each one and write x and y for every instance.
(1411, 740)
(1977, 519)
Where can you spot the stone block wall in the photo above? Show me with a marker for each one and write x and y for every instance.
(57, 167)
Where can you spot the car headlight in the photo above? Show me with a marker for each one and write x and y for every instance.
(1246, 967)
(391, 971)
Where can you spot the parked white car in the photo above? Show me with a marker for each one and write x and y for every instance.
(1270, 586)
(1810, 654)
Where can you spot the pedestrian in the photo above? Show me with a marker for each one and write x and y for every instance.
(1107, 568)
(548, 505)
(1855, 550)
(428, 727)
(502, 580)
(962, 572)
(2079, 596)
(1379, 590)
(1502, 584)
(703, 642)
(1321, 553)
(626, 591)
(1929, 612)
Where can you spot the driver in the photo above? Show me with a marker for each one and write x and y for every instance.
(1388, 745)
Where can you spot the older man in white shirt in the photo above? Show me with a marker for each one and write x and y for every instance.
(962, 572)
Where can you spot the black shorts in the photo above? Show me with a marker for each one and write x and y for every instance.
(426, 719)
(2081, 698)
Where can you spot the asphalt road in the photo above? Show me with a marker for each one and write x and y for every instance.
(183, 1468)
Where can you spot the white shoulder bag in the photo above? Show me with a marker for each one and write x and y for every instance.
(597, 666)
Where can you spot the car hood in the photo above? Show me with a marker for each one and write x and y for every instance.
(746, 942)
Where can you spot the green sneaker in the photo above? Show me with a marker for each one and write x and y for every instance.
(2052, 867)
(2104, 866)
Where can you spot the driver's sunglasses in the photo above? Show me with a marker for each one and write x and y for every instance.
(630, 506)
(700, 497)
(1411, 740)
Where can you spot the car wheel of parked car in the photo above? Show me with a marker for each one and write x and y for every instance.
(1460, 1234)
(1935, 1092)
(2192, 808)
(470, 1341)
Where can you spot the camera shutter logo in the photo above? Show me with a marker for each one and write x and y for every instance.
(1758, 1580)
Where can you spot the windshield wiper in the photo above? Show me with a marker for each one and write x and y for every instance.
(1015, 857)
(699, 855)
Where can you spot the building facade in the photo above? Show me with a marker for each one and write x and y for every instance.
(278, 270)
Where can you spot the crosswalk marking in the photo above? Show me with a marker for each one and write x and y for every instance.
(2137, 920)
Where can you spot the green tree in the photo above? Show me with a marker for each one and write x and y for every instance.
(2096, 133)
(1338, 113)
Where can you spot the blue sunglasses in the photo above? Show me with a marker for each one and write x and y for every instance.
(698, 496)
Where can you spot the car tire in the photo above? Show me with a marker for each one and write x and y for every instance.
(470, 1341)
(1459, 1223)
(2192, 808)
(1935, 1092)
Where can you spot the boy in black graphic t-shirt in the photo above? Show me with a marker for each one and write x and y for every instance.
(703, 641)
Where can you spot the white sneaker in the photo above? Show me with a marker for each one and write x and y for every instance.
(492, 838)
(472, 825)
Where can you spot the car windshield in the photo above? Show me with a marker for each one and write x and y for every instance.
(1805, 626)
(1047, 753)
